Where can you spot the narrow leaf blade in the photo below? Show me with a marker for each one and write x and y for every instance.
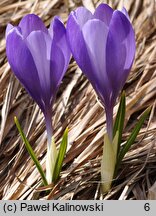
(30, 151)
(133, 135)
(60, 157)
(119, 121)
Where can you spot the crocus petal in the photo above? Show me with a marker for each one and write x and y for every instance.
(31, 22)
(82, 54)
(95, 35)
(60, 39)
(8, 28)
(78, 46)
(120, 50)
(82, 15)
(22, 64)
(124, 11)
(104, 13)
(39, 45)
(57, 65)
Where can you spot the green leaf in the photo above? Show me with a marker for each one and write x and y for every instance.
(60, 157)
(30, 151)
(133, 135)
(119, 121)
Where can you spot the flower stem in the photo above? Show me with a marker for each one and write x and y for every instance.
(51, 148)
(49, 127)
(109, 122)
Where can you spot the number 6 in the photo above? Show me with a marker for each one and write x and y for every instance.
(147, 206)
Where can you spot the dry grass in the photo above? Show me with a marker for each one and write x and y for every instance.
(78, 108)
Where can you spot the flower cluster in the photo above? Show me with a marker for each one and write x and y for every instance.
(102, 44)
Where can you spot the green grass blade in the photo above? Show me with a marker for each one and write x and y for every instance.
(30, 151)
(60, 157)
(119, 121)
(133, 135)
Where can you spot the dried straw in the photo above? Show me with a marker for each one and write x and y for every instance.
(78, 108)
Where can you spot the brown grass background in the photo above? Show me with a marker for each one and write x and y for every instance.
(78, 108)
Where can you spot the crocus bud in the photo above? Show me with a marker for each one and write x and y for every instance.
(39, 58)
(103, 45)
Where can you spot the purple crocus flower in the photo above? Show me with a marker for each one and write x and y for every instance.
(39, 58)
(103, 45)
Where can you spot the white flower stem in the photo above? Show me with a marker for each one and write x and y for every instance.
(51, 149)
